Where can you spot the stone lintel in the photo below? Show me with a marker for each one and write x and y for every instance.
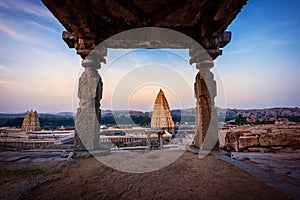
(150, 40)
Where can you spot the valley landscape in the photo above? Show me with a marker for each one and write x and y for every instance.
(273, 154)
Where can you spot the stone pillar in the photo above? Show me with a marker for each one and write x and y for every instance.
(87, 125)
(206, 115)
(160, 139)
(148, 140)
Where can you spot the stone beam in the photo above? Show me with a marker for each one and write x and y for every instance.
(203, 20)
(149, 39)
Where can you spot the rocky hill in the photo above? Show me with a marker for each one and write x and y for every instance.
(263, 115)
(53, 120)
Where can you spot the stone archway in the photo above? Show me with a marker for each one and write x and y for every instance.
(90, 83)
(91, 22)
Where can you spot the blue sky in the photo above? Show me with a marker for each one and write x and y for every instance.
(261, 62)
(259, 67)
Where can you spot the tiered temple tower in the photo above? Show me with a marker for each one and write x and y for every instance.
(31, 122)
(161, 116)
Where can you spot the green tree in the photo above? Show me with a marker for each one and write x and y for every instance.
(240, 120)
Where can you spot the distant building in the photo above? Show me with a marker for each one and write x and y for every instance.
(161, 115)
(31, 122)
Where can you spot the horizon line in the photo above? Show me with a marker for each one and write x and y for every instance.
(144, 111)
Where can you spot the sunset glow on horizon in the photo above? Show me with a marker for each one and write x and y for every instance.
(258, 69)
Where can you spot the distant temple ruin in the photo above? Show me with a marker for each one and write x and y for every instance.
(31, 122)
(161, 116)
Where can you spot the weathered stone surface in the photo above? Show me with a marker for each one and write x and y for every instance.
(291, 130)
(31, 122)
(280, 139)
(262, 140)
(161, 115)
(222, 136)
(87, 129)
(205, 92)
(248, 141)
(88, 114)
(259, 132)
(243, 133)
(232, 136)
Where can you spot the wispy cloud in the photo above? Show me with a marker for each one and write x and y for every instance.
(27, 20)
(40, 26)
(15, 86)
(12, 33)
(237, 51)
(26, 6)
(7, 83)
(27, 31)
(4, 69)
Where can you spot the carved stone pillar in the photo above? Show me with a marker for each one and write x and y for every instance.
(87, 125)
(206, 115)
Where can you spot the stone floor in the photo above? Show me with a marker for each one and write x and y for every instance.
(30, 156)
(285, 164)
(280, 171)
(189, 177)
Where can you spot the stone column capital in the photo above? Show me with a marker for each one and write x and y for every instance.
(95, 58)
(205, 65)
(90, 63)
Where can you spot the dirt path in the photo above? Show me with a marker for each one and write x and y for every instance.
(187, 178)
(13, 174)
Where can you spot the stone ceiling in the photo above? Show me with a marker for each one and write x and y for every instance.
(93, 21)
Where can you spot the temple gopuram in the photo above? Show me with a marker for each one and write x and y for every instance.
(161, 116)
(31, 122)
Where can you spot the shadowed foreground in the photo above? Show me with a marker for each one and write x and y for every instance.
(187, 178)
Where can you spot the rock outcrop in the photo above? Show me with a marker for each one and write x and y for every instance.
(274, 138)
(282, 138)
(278, 116)
(161, 116)
(248, 141)
(31, 122)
